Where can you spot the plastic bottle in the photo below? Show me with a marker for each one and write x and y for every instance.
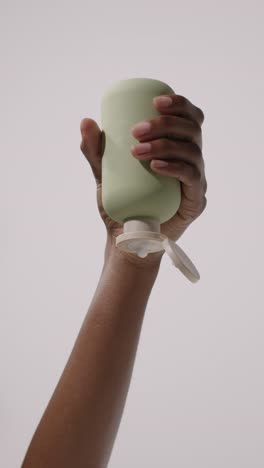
(132, 194)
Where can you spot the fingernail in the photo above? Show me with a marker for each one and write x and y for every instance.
(159, 163)
(164, 101)
(141, 128)
(142, 148)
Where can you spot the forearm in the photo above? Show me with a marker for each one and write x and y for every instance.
(81, 421)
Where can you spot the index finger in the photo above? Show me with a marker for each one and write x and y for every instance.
(174, 104)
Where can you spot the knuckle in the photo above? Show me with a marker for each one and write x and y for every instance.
(205, 186)
(195, 129)
(196, 150)
(180, 100)
(162, 145)
(201, 114)
(188, 171)
(203, 204)
(164, 121)
(183, 168)
(197, 175)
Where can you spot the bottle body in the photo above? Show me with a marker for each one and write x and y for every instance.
(130, 189)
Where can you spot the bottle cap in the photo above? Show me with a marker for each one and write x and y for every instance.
(143, 237)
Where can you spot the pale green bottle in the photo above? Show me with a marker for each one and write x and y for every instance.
(132, 193)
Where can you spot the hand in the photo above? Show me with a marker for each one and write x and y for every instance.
(175, 137)
(174, 148)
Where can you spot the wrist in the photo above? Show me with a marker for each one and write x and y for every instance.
(112, 253)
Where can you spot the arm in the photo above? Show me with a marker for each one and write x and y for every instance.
(79, 426)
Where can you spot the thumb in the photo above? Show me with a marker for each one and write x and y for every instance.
(92, 146)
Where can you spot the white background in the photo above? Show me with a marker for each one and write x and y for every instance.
(196, 398)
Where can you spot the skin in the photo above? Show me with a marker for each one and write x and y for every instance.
(80, 423)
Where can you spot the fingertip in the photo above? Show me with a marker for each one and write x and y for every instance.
(86, 125)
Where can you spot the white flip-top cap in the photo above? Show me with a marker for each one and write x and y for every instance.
(143, 237)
